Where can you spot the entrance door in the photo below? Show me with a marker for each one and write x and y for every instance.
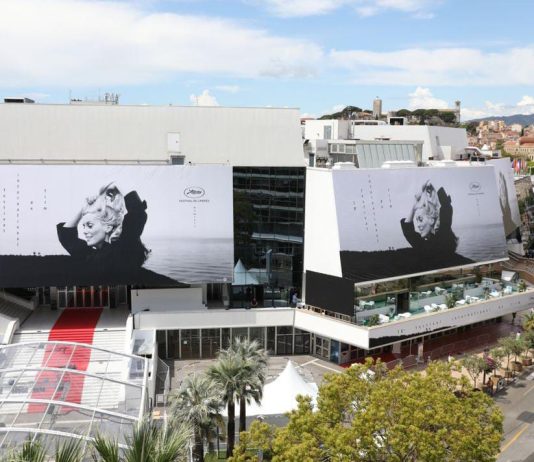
(83, 297)
(322, 347)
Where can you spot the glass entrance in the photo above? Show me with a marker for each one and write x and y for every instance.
(83, 297)
(322, 347)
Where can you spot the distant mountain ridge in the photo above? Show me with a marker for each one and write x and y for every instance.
(523, 119)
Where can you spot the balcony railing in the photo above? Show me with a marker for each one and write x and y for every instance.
(370, 313)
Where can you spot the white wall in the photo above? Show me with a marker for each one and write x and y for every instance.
(167, 300)
(321, 252)
(314, 129)
(327, 326)
(238, 136)
(451, 140)
(216, 318)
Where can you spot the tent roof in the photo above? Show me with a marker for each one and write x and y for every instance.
(280, 396)
(243, 277)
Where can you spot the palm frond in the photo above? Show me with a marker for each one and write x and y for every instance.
(69, 451)
(107, 449)
(31, 451)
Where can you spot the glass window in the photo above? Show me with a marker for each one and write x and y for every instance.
(173, 339)
(302, 342)
(211, 342)
(190, 342)
(225, 337)
(271, 340)
(258, 333)
(241, 332)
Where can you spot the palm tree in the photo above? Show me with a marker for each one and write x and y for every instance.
(148, 443)
(227, 373)
(198, 401)
(253, 376)
(528, 321)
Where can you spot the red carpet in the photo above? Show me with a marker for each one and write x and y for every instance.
(73, 325)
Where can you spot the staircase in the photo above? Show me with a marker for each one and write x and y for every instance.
(83, 389)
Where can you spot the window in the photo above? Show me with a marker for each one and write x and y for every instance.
(327, 133)
(177, 160)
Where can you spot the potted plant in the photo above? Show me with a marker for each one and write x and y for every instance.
(450, 300)
(521, 286)
(528, 338)
(518, 347)
(497, 355)
(505, 343)
(373, 320)
(474, 365)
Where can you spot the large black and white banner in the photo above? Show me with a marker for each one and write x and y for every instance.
(86, 225)
(507, 197)
(400, 222)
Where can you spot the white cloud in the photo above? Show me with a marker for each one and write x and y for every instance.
(228, 88)
(526, 101)
(422, 98)
(204, 99)
(524, 106)
(293, 8)
(441, 66)
(96, 43)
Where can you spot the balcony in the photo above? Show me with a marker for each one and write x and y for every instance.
(383, 309)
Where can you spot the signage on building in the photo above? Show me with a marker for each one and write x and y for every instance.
(402, 222)
(89, 225)
(507, 197)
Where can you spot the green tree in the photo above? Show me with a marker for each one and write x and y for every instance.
(148, 443)
(393, 416)
(260, 437)
(252, 377)
(198, 401)
(475, 366)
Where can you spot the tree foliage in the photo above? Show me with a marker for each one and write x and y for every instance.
(198, 401)
(391, 416)
(474, 365)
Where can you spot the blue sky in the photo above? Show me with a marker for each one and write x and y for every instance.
(317, 55)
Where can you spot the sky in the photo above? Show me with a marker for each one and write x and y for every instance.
(316, 55)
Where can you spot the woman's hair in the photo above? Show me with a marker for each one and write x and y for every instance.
(109, 208)
(429, 205)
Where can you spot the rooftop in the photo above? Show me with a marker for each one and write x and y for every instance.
(46, 393)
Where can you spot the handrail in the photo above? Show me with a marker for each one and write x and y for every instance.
(70, 371)
(61, 342)
(51, 432)
(85, 407)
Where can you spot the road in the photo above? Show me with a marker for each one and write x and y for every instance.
(517, 404)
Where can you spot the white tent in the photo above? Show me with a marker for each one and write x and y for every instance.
(243, 277)
(280, 396)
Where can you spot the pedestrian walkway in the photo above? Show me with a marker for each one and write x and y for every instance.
(457, 344)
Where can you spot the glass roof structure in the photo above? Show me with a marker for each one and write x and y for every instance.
(50, 391)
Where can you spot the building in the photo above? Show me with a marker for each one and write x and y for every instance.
(319, 261)
(377, 108)
(524, 148)
(437, 142)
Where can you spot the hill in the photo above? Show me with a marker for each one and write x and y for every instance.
(523, 119)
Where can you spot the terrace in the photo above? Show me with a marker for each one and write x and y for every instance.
(431, 298)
